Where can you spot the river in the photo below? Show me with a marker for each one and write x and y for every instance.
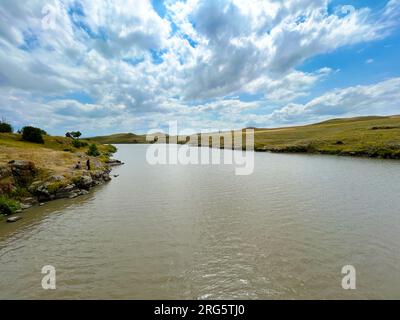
(201, 232)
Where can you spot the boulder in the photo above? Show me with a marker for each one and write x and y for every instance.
(22, 165)
(25, 206)
(14, 219)
(55, 178)
(7, 181)
(34, 186)
(32, 201)
(23, 171)
(114, 162)
(73, 195)
(85, 182)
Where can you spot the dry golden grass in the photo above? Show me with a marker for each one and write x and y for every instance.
(57, 162)
(55, 156)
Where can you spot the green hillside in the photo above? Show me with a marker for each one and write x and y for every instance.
(371, 136)
(119, 138)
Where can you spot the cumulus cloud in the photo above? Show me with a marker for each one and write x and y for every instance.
(136, 68)
(381, 99)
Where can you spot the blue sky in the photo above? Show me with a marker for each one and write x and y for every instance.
(131, 66)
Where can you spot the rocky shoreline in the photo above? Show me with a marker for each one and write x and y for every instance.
(23, 175)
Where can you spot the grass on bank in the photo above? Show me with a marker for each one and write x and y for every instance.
(57, 155)
(370, 136)
(8, 206)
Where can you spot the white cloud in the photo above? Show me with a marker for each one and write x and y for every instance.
(377, 99)
(139, 68)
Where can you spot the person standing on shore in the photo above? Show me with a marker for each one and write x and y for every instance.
(88, 164)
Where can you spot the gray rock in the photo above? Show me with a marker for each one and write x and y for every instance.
(67, 188)
(56, 178)
(25, 206)
(85, 182)
(83, 192)
(34, 186)
(29, 200)
(14, 219)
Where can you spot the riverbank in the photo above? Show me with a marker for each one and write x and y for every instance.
(31, 174)
(373, 137)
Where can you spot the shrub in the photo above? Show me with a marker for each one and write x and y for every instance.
(32, 134)
(111, 149)
(5, 127)
(8, 206)
(93, 151)
(79, 144)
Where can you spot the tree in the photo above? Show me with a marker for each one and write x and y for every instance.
(73, 134)
(76, 134)
(32, 134)
(5, 127)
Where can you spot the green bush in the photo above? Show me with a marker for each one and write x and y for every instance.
(5, 127)
(111, 149)
(79, 144)
(93, 151)
(32, 134)
(8, 206)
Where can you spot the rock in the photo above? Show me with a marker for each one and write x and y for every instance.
(14, 219)
(42, 192)
(18, 211)
(23, 171)
(25, 206)
(69, 191)
(68, 188)
(83, 192)
(29, 200)
(7, 181)
(56, 178)
(85, 182)
(114, 162)
(73, 195)
(34, 186)
(41, 204)
(22, 165)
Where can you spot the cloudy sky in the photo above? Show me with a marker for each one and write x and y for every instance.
(132, 65)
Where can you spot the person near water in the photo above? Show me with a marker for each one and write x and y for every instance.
(78, 166)
(88, 164)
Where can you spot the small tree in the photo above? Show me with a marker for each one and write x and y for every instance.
(5, 127)
(93, 151)
(76, 134)
(73, 134)
(32, 134)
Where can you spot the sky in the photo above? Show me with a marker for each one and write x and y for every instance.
(111, 66)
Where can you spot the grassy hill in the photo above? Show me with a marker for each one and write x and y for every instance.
(372, 136)
(119, 138)
(361, 136)
(56, 156)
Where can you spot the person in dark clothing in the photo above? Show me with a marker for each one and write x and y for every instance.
(88, 164)
(78, 166)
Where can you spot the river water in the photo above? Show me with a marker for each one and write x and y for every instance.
(201, 232)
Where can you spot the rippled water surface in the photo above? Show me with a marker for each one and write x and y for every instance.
(200, 232)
